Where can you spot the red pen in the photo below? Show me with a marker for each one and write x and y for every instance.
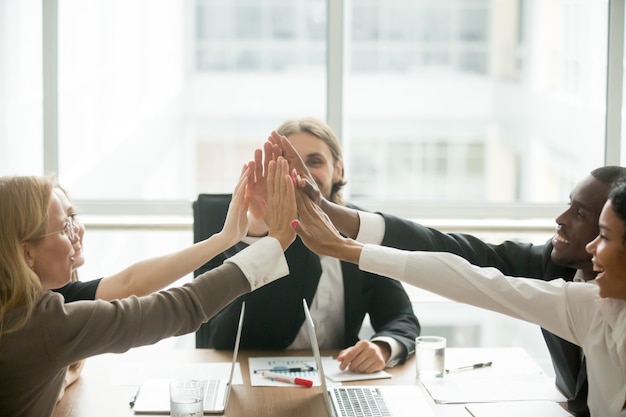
(286, 378)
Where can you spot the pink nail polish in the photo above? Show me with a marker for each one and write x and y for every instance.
(294, 223)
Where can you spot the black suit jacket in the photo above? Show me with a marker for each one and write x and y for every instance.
(513, 259)
(274, 312)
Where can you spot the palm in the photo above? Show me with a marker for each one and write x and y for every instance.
(257, 194)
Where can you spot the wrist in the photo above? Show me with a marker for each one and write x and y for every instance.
(285, 239)
(346, 249)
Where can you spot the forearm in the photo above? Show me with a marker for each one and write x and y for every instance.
(153, 274)
(454, 278)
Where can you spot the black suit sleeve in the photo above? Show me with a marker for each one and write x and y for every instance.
(512, 258)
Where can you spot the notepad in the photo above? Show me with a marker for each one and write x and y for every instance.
(518, 409)
(332, 372)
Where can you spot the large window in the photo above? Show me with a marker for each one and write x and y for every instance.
(442, 101)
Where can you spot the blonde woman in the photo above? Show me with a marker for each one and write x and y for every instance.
(41, 335)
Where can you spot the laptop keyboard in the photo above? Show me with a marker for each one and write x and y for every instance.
(361, 402)
(211, 393)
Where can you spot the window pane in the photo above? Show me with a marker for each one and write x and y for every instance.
(478, 92)
(164, 100)
(21, 97)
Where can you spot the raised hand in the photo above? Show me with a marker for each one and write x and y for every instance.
(281, 202)
(236, 223)
(257, 188)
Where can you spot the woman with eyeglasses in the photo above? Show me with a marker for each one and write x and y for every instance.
(590, 314)
(40, 334)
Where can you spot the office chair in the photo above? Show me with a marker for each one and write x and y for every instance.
(209, 214)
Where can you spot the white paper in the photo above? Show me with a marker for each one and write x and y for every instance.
(135, 374)
(518, 409)
(513, 376)
(492, 389)
(332, 372)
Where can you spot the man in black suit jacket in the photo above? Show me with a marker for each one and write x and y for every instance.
(563, 256)
(274, 316)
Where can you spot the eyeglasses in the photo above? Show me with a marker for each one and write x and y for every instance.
(69, 229)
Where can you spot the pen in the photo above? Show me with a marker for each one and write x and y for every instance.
(469, 367)
(304, 368)
(132, 401)
(286, 378)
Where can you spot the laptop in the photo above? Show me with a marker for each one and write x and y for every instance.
(371, 400)
(153, 395)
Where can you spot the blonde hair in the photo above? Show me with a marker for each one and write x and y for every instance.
(324, 132)
(24, 206)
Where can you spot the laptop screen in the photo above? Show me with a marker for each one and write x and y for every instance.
(318, 357)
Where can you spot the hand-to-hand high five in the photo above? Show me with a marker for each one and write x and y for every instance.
(339, 294)
(318, 235)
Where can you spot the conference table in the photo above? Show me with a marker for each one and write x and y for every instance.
(95, 394)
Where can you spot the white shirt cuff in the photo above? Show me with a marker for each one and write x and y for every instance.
(262, 262)
(396, 349)
(372, 228)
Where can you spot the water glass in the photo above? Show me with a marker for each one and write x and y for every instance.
(187, 398)
(430, 353)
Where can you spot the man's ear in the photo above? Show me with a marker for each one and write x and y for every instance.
(338, 174)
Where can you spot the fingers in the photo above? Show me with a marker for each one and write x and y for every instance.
(281, 198)
(268, 152)
(275, 138)
(277, 176)
(239, 192)
(258, 164)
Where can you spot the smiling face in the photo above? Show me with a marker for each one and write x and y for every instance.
(609, 254)
(319, 159)
(578, 225)
(52, 256)
(70, 211)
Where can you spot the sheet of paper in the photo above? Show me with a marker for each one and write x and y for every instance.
(332, 372)
(518, 409)
(492, 389)
(278, 362)
(135, 373)
(513, 376)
